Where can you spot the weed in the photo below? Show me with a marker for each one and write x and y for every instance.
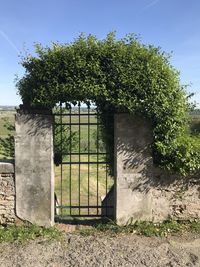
(24, 233)
(195, 227)
(145, 228)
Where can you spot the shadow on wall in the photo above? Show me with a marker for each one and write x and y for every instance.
(135, 156)
(36, 124)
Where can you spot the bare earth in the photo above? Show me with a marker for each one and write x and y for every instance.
(104, 250)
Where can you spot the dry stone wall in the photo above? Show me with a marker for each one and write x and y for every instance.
(175, 197)
(7, 193)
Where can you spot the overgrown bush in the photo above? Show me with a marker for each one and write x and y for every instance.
(118, 75)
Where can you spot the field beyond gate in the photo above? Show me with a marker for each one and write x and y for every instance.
(82, 178)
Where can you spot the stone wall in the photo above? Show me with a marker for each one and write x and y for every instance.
(175, 197)
(143, 192)
(7, 193)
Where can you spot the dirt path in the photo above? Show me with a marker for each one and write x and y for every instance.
(103, 250)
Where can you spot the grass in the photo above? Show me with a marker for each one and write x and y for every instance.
(23, 233)
(27, 232)
(5, 116)
(149, 229)
(88, 191)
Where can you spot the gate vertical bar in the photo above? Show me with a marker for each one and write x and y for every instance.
(70, 156)
(106, 148)
(61, 165)
(55, 196)
(106, 187)
(79, 148)
(108, 119)
(97, 164)
(88, 158)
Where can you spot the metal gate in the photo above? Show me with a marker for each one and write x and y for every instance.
(83, 181)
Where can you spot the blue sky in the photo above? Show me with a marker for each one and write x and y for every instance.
(171, 24)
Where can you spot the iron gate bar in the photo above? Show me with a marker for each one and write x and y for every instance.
(85, 215)
(70, 168)
(97, 165)
(79, 147)
(86, 162)
(106, 186)
(88, 157)
(106, 180)
(85, 153)
(84, 207)
(67, 114)
(76, 123)
(61, 166)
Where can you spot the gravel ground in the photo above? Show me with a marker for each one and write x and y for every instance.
(103, 250)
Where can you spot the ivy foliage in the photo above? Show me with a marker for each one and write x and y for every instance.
(122, 75)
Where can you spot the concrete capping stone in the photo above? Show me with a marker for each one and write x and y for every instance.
(7, 166)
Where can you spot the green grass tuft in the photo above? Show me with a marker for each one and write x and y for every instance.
(145, 228)
(11, 233)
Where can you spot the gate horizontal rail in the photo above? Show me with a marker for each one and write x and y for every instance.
(84, 207)
(85, 162)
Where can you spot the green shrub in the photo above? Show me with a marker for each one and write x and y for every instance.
(118, 75)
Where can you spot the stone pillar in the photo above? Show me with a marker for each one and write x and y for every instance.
(34, 167)
(133, 168)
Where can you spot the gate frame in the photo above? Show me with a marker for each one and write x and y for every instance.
(107, 210)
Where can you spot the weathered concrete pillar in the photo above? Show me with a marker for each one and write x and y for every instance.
(133, 168)
(34, 167)
(144, 192)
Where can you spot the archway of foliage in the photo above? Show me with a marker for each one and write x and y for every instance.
(121, 75)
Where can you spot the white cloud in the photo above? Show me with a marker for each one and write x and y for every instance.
(5, 37)
(152, 3)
